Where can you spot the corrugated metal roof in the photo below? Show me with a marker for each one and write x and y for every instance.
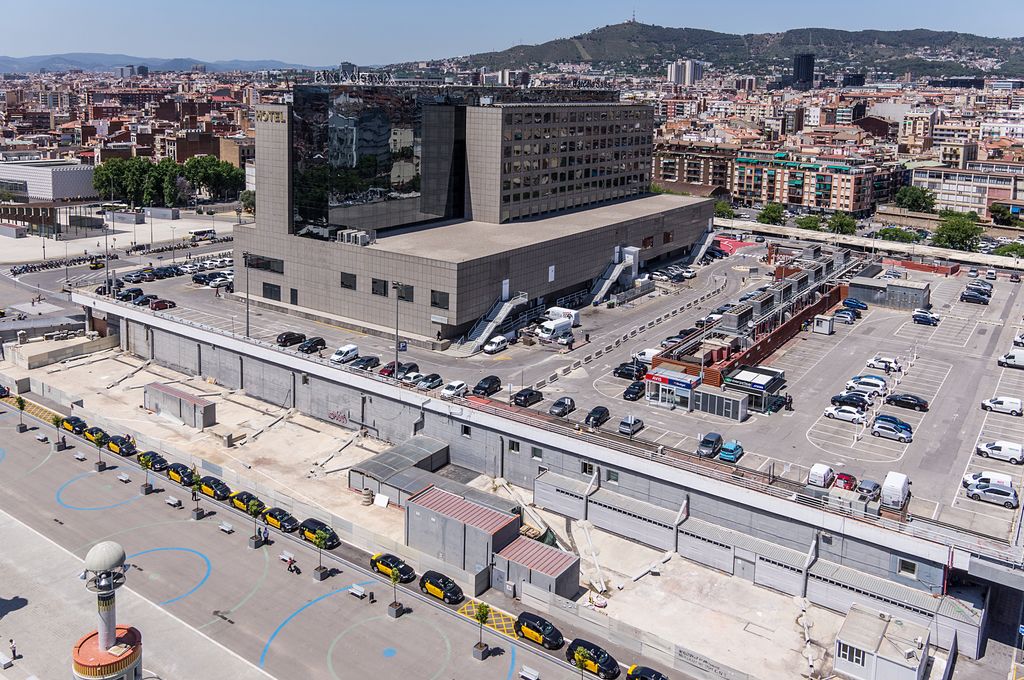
(458, 508)
(767, 549)
(538, 556)
(179, 394)
(876, 586)
(562, 482)
(637, 507)
(410, 453)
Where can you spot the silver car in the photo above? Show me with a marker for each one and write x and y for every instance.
(993, 493)
(890, 431)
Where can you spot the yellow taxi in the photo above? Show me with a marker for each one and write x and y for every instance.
(279, 518)
(96, 264)
(387, 564)
(180, 473)
(214, 488)
(241, 499)
(538, 629)
(74, 424)
(441, 587)
(594, 659)
(96, 436)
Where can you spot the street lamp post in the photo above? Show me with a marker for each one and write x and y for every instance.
(106, 254)
(245, 263)
(150, 234)
(66, 278)
(173, 243)
(396, 286)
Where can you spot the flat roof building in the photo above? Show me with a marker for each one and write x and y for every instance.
(46, 180)
(474, 199)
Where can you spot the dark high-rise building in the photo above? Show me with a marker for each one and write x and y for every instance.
(853, 80)
(803, 71)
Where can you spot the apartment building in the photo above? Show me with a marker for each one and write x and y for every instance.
(706, 164)
(967, 190)
(816, 183)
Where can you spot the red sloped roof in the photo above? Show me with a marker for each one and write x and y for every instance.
(456, 507)
(538, 556)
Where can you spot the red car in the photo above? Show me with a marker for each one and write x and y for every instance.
(157, 305)
(388, 370)
(846, 481)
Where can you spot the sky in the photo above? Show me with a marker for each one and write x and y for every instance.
(325, 32)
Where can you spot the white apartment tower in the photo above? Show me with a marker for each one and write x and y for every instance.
(685, 72)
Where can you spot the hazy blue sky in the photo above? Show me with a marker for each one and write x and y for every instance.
(322, 32)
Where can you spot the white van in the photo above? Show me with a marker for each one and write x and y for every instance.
(563, 313)
(646, 356)
(1014, 359)
(895, 490)
(821, 475)
(496, 344)
(552, 328)
(1001, 450)
(345, 354)
(1011, 405)
(988, 477)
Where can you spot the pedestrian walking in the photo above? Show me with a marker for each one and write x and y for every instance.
(266, 535)
(888, 369)
(291, 565)
(14, 650)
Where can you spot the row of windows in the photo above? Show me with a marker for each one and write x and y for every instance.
(574, 116)
(633, 150)
(638, 180)
(851, 654)
(268, 264)
(619, 165)
(521, 134)
(535, 451)
(406, 293)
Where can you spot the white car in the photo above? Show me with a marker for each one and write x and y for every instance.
(189, 268)
(880, 361)
(455, 388)
(658, 276)
(412, 378)
(496, 344)
(222, 282)
(869, 385)
(1019, 340)
(847, 413)
(689, 273)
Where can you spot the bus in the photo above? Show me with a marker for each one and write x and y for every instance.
(202, 234)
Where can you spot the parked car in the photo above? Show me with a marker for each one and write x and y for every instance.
(345, 354)
(279, 518)
(993, 493)
(854, 303)
(405, 369)
(527, 397)
(1011, 405)
(1001, 450)
(487, 386)
(987, 477)
(455, 388)
(973, 297)
(388, 564)
(144, 300)
(631, 370)
(889, 431)
(157, 305)
(710, 445)
(599, 662)
(849, 311)
(308, 530)
(440, 586)
(180, 473)
(630, 425)
(74, 424)
(597, 417)
(925, 320)
(538, 629)
(868, 384)
(430, 382)
(214, 488)
(289, 338)
(845, 318)
(365, 363)
(122, 446)
(869, 488)
(154, 460)
(856, 400)
(635, 390)
(312, 345)
(844, 480)
(562, 407)
(850, 414)
(882, 362)
(731, 452)
(911, 401)
(496, 344)
(412, 378)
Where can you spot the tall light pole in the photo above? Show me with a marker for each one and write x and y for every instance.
(150, 234)
(396, 286)
(245, 263)
(173, 243)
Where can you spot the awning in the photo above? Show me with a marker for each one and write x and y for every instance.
(664, 376)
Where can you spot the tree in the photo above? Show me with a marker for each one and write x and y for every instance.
(254, 508)
(482, 615)
(724, 209)
(57, 420)
(773, 213)
(580, 657)
(248, 199)
(146, 462)
(108, 178)
(196, 486)
(19, 401)
(959, 232)
(915, 199)
(394, 586)
(320, 539)
(842, 223)
(1001, 215)
(1010, 250)
(99, 443)
(898, 235)
(811, 222)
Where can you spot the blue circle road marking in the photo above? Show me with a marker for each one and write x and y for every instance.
(389, 652)
(194, 588)
(3, 454)
(511, 662)
(60, 492)
(288, 619)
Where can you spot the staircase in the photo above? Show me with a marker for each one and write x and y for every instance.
(482, 330)
(708, 239)
(611, 274)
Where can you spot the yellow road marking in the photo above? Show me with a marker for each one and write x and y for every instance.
(500, 621)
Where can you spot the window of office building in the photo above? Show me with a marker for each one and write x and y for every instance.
(667, 237)
(586, 467)
(907, 568)
(513, 446)
(272, 291)
(467, 431)
(348, 281)
(536, 453)
(379, 287)
(439, 299)
(648, 242)
(405, 293)
(268, 264)
(611, 476)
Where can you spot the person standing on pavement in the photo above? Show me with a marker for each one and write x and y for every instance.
(14, 650)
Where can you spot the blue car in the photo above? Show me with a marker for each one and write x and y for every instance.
(731, 451)
(854, 303)
(926, 320)
(895, 422)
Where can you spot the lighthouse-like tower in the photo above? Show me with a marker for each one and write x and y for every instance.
(111, 652)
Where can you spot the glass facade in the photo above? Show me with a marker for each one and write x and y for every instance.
(380, 157)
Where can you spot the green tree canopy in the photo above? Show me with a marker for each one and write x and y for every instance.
(1001, 215)
(1010, 250)
(958, 231)
(915, 199)
(248, 199)
(724, 209)
(810, 222)
(218, 178)
(898, 235)
(773, 213)
(842, 223)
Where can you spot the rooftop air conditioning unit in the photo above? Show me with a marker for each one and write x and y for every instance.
(361, 238)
